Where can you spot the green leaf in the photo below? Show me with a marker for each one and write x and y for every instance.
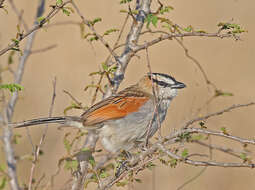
(15, 138)
(222, 93)
(154, 21)
(10, 57)
(105, 67)
(224, 130)
(16, 41)
(95, 38)
(107, 32)
(122, 183)
(66, 12)
(243, 156)
(3, 183)
(12, 87)
(234, 28)
(39, 19)
(71, 164)
(103, 174)
(166, 9)
(59, 2)
(197, 137)
(138, 180)
(125, 1)
(173, 163)
(185, 153)
(151, 19)
(67, 143)
(188, 29)
(96, 20)
(92, 161)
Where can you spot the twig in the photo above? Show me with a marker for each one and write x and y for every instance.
(155, 99)
(10, 157)
(132, 38)
(22, 61)
(94, 31)
(203, 163)
(192, 179)
(219, 148)
(196, 63)
(217, 113)
(19, 15)
(73, 98)
(36, 154)
(179, 35)
(83, 159)
(43, 49)
(37, 26)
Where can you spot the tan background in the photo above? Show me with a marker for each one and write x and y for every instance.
(229, 64)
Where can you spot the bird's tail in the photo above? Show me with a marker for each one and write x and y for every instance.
(66, 120)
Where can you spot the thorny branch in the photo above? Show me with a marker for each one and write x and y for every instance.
(38, 148)
(217, 113)
(36, 27)
(8, 112)
(175, 137)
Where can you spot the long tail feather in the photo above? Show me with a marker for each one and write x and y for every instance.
(72, 121)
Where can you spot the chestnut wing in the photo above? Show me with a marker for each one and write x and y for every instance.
(112, 108)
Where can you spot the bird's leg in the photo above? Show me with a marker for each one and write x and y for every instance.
(122, 162)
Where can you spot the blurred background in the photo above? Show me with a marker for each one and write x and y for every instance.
(229, 65)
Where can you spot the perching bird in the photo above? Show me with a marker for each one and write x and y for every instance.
(122, 120)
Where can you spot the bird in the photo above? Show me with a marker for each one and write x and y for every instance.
(127, 118)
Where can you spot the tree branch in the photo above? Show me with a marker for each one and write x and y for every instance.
(37, 26)
(134, 33)
(217, 113)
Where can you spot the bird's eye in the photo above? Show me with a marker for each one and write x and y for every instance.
(161, 83)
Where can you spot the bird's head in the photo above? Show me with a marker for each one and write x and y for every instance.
(166, 85)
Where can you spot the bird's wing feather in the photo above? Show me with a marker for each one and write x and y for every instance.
(112, 108)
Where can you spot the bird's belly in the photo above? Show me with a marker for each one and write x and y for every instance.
(124, 133)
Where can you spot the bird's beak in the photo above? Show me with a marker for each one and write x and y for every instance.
(178, 85)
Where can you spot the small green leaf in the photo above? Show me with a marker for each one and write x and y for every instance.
(103, 174)
(166, 9)
(95, 38)
(67, 143)
(10, 57)
(223, 129)
(188, 29)
(59, 2)
(16, 41)
(222, 93)
(107, 32)
(122, 183)
(12, 87)
(154, 21)
(3, 183)
(173, 163)
(105, 67)
(125, 1)
(92, 161)
(96, 20)
(138, 180)
(39, 19)
(66, 12)
(185, 153)
(197, 137)
(15, 138)
(243, 156)
(71, 164)
(151, 19)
